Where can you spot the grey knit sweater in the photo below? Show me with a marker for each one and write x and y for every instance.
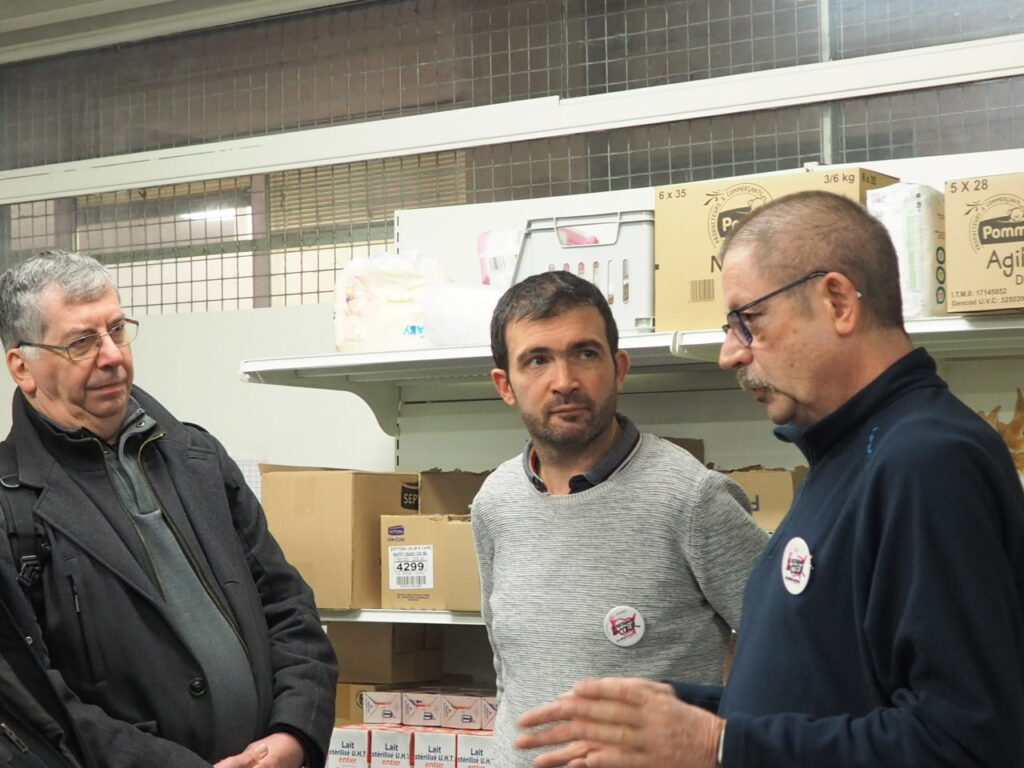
(663, 535)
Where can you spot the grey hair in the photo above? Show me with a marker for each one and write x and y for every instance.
(80, 278)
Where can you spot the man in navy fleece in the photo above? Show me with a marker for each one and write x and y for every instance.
(883, 625)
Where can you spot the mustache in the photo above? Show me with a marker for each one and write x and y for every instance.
(572, 399)
(748, 381)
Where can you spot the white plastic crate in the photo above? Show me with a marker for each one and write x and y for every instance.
(615, 251)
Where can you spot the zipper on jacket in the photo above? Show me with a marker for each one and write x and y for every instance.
(88, 641)
(13, 737)
(74, 596)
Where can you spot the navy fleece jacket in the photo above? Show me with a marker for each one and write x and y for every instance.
(906, 646)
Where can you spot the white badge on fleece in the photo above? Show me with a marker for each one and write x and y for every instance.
(624, 626)
(796, 566)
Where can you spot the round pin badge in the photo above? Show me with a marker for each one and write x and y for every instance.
(624, 626)
(796, 566)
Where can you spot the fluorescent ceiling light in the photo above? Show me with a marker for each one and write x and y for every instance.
(214, 213)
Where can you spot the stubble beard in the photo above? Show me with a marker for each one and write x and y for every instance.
(573, 437)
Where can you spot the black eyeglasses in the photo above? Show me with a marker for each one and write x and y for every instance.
(735, 317)
(122, 333)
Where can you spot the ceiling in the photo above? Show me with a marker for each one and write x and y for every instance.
(32, 29)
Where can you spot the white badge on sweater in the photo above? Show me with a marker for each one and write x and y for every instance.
(624, 626)
(796, 566)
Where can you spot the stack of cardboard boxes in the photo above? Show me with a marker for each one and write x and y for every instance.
(388, 746)
(420, 725)
(333, 526)
(329, 522)
(692, 220)
(376, 657)
(961, 254)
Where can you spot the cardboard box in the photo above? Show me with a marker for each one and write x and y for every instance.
(985, 237)
(490, 712)
(463, 710)
(692, 220)
(433, 748)
(421, 708)
(915, 217)
(428, 561)
(447, 493)
(327, 523)
(370, 652)
(770, 491)
(473, 749)
(349, 746)
(390, 747)
(382, 707)
(348, 702)
(460, 567)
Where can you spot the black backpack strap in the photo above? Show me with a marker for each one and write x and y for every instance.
(28, 548)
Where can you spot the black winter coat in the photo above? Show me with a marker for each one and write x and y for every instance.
(35, 730)
(143, 697)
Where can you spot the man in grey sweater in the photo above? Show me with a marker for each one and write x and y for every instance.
(602, 551)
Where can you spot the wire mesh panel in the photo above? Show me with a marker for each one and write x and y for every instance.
(940, 121)
(865, 27)
(369, 61)
(31, 226)
(320, 218)
(281, 237)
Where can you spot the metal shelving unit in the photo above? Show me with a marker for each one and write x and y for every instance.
(661, 362)
(955, 336)
(457, 618)
(384, 380)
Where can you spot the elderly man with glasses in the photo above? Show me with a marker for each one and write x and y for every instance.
(883, 625)
(165, 604)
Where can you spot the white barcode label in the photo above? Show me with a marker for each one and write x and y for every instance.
(702, 290)
(411, 566)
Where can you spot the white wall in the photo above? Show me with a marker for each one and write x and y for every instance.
(190, 362)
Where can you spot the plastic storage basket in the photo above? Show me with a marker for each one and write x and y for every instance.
(615, 251)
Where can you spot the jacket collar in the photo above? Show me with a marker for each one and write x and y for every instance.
(39, 443)
(48, 456)
(914, 370)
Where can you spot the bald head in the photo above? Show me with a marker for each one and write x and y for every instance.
(821, 231)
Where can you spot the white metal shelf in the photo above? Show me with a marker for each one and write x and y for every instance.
(955, 336)
(386, 379)
(661, 362)
(334, 371)
(465, 618)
